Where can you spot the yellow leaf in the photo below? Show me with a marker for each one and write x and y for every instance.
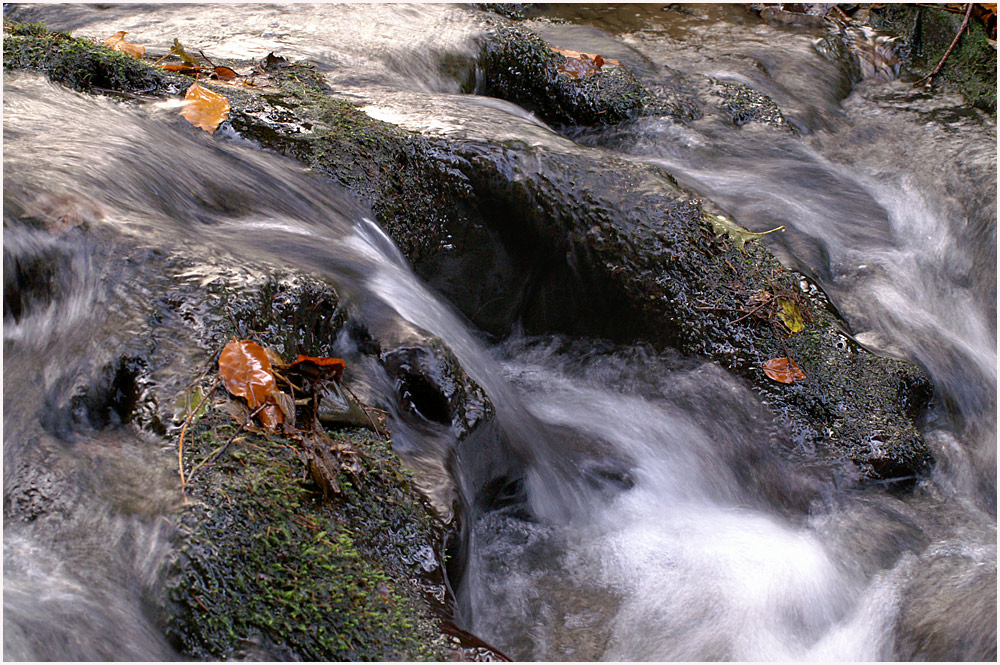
(790, 315)
(737, 233)
(116, 42)
(204, 109)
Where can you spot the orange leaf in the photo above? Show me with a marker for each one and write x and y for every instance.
(246, 372)
(783, 370)
(116, 42)
(334, 366)
(182, 69)
(224, 73)
(204, 109)
(590, 56)
(270, 416)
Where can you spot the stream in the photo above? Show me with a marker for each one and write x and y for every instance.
(629, 532)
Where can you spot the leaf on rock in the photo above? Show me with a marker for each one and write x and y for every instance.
(271, 62)
(737, 233)
(246, 372)
(186, 69)
(116, 42)
(178, 50)
(790, 315)
(327, 367)
(204, 109)
(581, 65)
(783, 370)
(223, 73)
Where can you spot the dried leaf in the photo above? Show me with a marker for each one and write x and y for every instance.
(246, 372)
(204, 109)
(178, 50)
(329, 367)
(579, 55)
(116, 42)
(270, 416)
(790, 315)
(783, 370)
(186, 69)
(271, 62)
(737, 233)
(192, 404)
(223, 73)
(287, 406)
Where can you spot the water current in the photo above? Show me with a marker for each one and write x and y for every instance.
(888, 197)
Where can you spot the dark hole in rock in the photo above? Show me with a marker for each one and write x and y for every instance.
(422, 397)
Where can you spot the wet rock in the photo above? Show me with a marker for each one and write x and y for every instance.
(926, 32)
(520, 67)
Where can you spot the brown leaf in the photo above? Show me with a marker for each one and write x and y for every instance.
(591, 56)
(333, 367)
(116, 42)
(246, 372)
(270, 416)
(187, 69)
(224, 73)
(204, 109)
(783, 370)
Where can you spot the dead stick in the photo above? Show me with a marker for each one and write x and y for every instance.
(221, 449)
(365, 409)
(187, 421)
(954, 42)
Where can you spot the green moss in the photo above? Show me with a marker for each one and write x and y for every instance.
(926, 33)
(78, 63)
(270, 570)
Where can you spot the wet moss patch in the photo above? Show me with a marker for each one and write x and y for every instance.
(271, 570)
(926, 33)
(78, 63)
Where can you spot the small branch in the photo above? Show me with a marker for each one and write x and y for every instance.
(221, 449)
(365, 409)
(965, 22)
(187, 421)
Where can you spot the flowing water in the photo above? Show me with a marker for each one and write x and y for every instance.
(632, 529)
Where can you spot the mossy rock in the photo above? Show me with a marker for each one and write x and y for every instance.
(926, 33)
(520, 67)
(78, 63)
(270, 569)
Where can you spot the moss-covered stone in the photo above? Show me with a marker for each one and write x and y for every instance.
(925, 34)
(78, 63)
(520, 67)
(271, 570)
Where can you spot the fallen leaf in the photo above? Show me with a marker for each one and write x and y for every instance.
(333, 367)
(182, 69)
(271, 62)
(192, 404)
(223, 73)
(116, 42)
(178, 50)
(790, 315)
(246, 372)
(737, 233)
(783, 370)
(579, 54)
(270, 416)
(204, 109)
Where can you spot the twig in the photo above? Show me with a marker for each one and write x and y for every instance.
(221, 449)
(958, 35)
(365, 409)
(187, 421)
(753, 311)
(206, 58)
